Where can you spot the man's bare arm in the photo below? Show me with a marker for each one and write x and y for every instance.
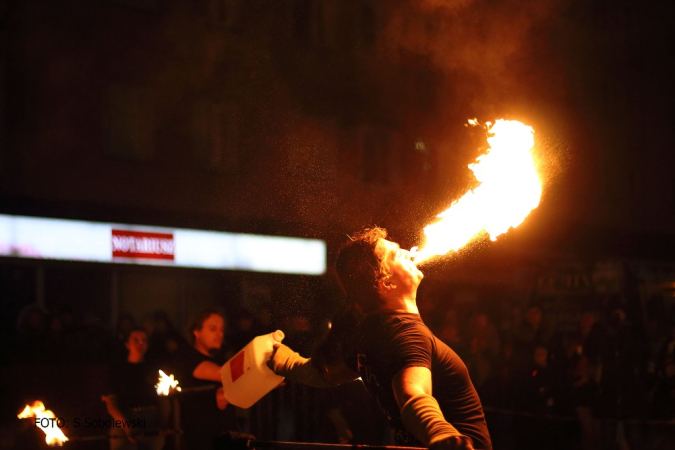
(112, 405)
(421, 413)
(206, 370)
(287, 363)
(410, 382)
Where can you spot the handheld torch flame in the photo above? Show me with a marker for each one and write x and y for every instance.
(510, 188)
(166, 383)
(54, 437)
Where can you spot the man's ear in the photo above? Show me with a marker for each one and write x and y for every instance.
(385, 285)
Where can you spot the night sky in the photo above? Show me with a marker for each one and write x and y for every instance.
(305, 81)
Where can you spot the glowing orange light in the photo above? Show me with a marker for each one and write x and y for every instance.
(510, 188)
(166, 383)
(54, 437)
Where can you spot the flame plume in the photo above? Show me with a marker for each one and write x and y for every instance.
(54, 437)
(510, 188)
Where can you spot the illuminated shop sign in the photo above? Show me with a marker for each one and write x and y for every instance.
(142, 245)
(72, 240)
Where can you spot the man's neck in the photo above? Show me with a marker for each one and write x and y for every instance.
(401, 304)
(134, 358)
(201, 349)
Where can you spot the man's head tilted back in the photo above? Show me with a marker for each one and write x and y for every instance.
(359, 267)
(370, 267)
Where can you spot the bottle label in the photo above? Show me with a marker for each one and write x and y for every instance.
(237, 366)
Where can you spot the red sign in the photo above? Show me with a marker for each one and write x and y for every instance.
(237, 366)
(139, 244)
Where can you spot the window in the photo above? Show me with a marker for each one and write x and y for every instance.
(375, 153)
(131, 127)
(226, 13)
(368, 22)
(215, 135)
(308, 22)
(302, 20)
(143, 5)
(4, 13)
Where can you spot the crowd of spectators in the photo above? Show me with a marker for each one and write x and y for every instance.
(609, 380)
(606, 382)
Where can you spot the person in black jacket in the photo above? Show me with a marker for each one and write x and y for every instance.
(132, 400)
(205, 413)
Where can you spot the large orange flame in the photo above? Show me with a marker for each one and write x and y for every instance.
(509, 190)
(54, 437)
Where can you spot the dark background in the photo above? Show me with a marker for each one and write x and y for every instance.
(316, 118)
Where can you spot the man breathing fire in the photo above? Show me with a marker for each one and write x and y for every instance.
(381, 338)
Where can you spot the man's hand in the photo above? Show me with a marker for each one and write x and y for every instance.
(279, 359)
(342, 430)
(221, 401)
(129, 432)
(453, 443)
(283, 360)
(114, 410)
(270, 362)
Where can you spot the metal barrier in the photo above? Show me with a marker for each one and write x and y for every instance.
(290, 412)
(318, 446)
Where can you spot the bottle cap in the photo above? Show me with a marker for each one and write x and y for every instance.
(278, 335)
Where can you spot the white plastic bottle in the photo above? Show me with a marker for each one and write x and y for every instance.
(246, 377)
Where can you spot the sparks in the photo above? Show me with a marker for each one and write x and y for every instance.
(166, 383)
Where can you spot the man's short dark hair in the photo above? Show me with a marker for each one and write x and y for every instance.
(197, 321)
(359, 268)
(135, 329)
